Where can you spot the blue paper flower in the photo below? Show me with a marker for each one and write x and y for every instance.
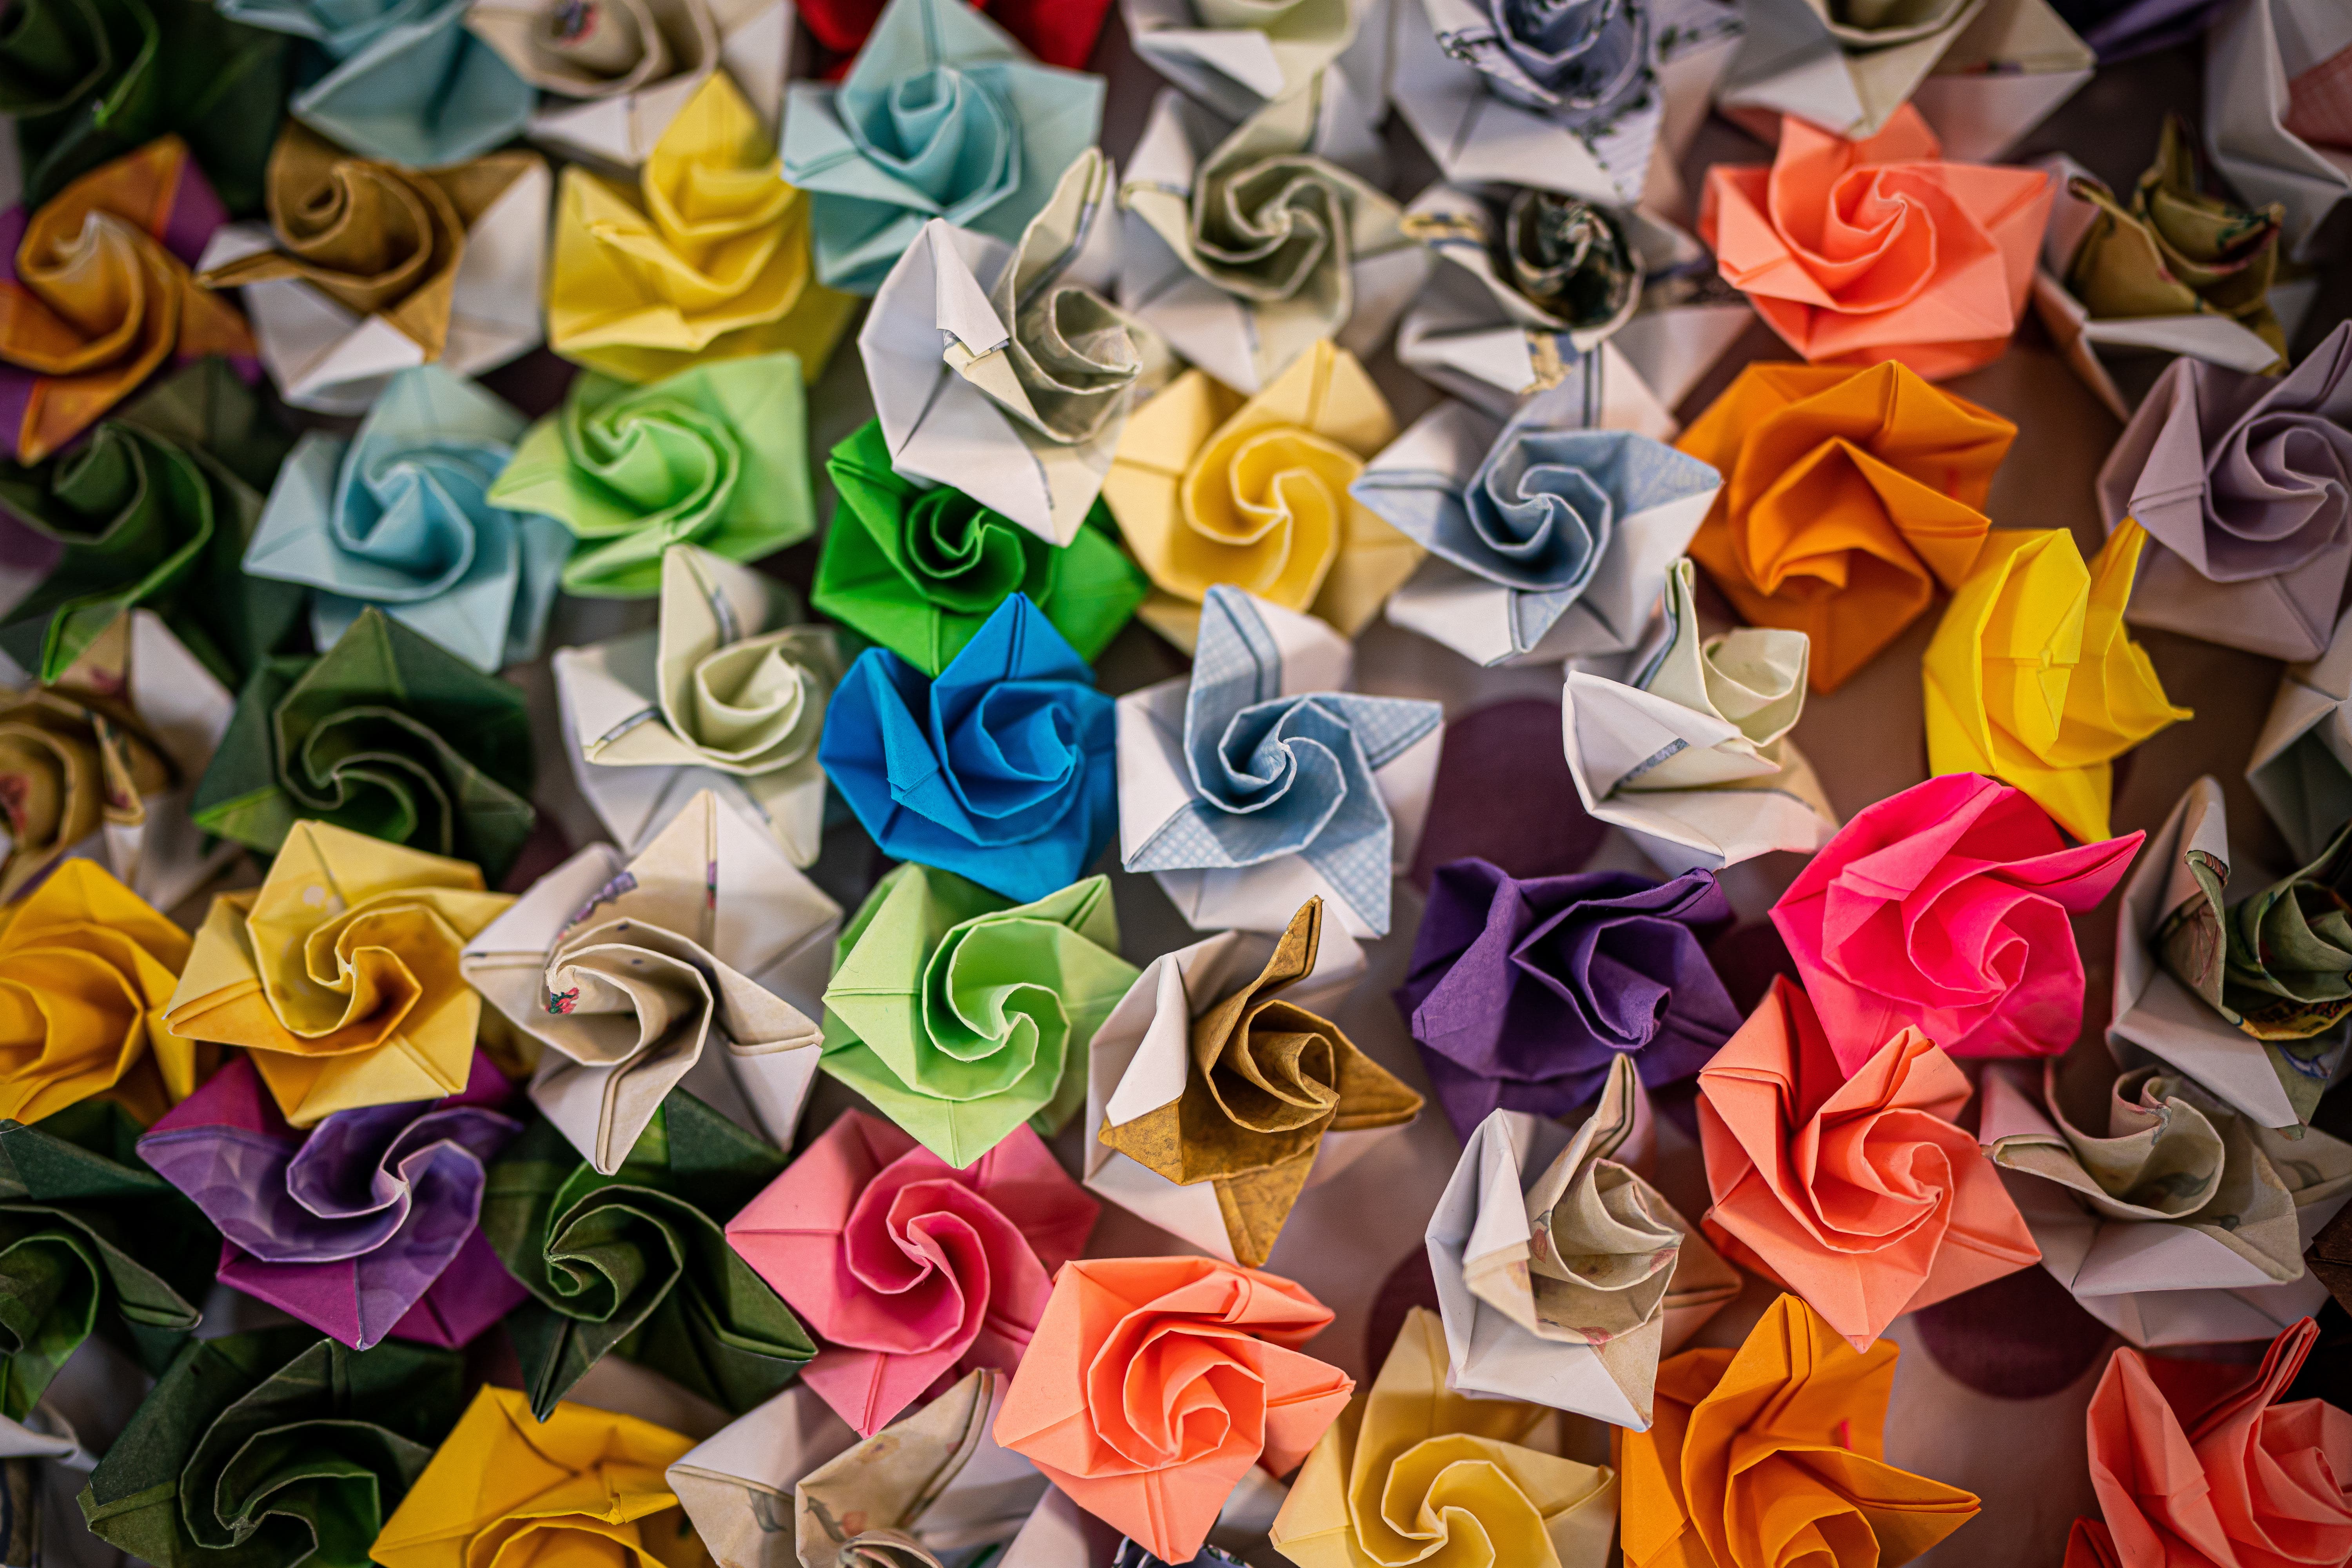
(1002, 770)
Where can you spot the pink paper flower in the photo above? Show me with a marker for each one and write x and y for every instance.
(912, 1271)
(1945, 907)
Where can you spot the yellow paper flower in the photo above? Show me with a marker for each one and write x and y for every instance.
(586, 1488)
(86, 968)
(707, 260)
(340, 973)
(1209, 487)
(2030, 679)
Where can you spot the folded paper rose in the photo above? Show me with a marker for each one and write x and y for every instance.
(1562, 1274)
(943, 115)
(339, 974)
(912, 1271)
(1210, 489)
(2300, 769)
(274, 1445)
(1546, 541)
(1856, 1190)
(154, 511)
(634, 1263)
(1254, 244)
(563, 1480)
(737, 1485)
(726, 694)
(1058, 31)
(1413, 1471)
(1247, 1106)
(2032, 679)
(706, 260)
(1522, 993)
(698, 958)
(1945, 907)
(363, 1226)
(1153, 1385)
(1001, 768)
(962, 1016)
(2276, 132)
(714, 457)
(1235, 58)
(1860, 252)
(386, 734)
(921, 570)
(99, 296)
(1775, 1452)
(1691, 755)
(1230, 782)
(2184, 1223)
(923, 1491)
(2242, 483)
(1849, 498)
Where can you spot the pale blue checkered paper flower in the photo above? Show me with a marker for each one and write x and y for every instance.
(1275, 775)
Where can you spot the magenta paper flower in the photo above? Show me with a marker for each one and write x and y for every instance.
(911, 1270)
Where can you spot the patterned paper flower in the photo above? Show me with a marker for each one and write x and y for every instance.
(72, 765)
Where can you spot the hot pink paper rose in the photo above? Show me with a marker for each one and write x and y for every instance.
(911, 1271)
(1946, 908)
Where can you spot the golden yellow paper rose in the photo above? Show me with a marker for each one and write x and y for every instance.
(340, 973)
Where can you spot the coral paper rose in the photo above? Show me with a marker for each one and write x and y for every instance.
(911, 1270)
(1858, 1192)
(1945, 907)
(1861, 251)
(1154, 1383)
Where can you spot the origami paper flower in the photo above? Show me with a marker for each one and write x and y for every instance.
(364, 1226)
(1561, 1273)
(2030, 679)
(921, 570)
(1271, 237)
(399, 516)
(1416, 1470)
(1548, 541)
(1234, 58)
(2184, 1222)
(365, 268)
(2300, 769)
(1521, 993)
(1058, 31)
(930, 1487)
(943, 115)
(543, 1481)
(2215, 1470)
(339, 974)
(692, 955)
(716, 456)
(1265, 1083)
(1776, 1452)
(155, 509)
(708, 260)
(2278, 962)
(385, 733)
(2271, 74)
(1001, 768)
(1860, 252)
(230, 1450)
(400, 81)
(1009, 995)
(1154, 1383)
(1848, 496)
(76, 770)
(1945, 907)
(100, 295)
(635, 1262)
(1211, 489)
(913, 1272)
(2242, 483)
(1232, 782)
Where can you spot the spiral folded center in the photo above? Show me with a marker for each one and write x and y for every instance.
(948, 132)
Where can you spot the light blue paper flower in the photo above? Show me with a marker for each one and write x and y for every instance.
(1002, 770)
(398, 517)
(942, 116)
(402, 80)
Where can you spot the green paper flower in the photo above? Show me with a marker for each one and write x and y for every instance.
(716, 456)
(918, 570)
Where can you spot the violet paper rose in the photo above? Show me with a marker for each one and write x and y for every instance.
(363, 1226)
(1522, 992)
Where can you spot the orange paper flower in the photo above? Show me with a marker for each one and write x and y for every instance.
(1848, 495)
(1861, 251)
